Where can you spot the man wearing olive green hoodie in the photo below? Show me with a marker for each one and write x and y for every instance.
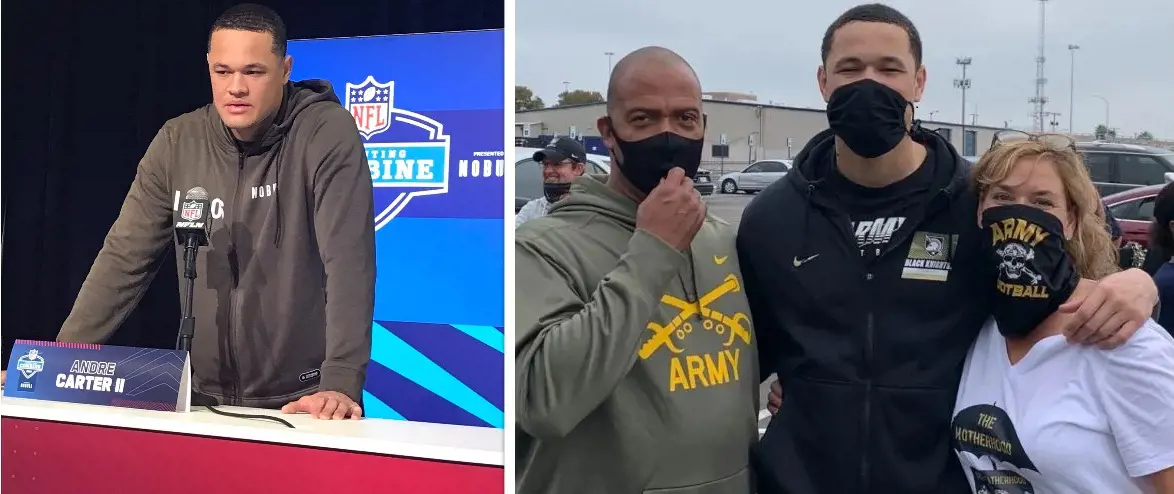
(636, 366)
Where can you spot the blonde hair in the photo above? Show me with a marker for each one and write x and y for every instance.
(1091, 248)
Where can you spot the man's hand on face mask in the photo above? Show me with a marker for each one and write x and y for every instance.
(673, 211)
(1110, 313)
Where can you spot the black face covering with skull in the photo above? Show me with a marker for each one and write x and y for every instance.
(1035, 275)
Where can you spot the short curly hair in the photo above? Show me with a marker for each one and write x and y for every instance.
(254, 18)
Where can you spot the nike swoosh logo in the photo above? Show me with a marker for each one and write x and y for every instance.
(799, 262)
(720, 260)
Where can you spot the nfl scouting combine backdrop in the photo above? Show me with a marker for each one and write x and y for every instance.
(430, 109)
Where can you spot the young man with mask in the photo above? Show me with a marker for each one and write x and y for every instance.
(635, 351)
(284, 297)
(562, 161)
(867, 284)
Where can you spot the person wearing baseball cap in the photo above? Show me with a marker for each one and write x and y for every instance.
(562, 160)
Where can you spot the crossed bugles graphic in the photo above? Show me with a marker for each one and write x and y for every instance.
(712, 320)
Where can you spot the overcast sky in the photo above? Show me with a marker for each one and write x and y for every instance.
(771, 48)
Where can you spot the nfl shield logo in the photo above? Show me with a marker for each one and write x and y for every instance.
(406, 161)
(192, 210)
(370, 103)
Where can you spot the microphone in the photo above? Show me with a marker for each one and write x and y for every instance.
(193, 218)
(191, 231)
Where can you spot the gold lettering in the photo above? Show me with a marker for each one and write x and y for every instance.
(997, 234)
(1021, 291)
(982, 440)
(1017, 229)
(705, 370)
(732, 358)
(1006, 480)
(718, 373)
(676, 375)
(696, 366)
(1023, 230)
(1040, 235)
(986, 421)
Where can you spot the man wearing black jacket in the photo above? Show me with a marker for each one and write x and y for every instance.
(862, 273)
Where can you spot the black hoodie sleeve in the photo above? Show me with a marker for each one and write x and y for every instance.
(767, 331)
(344, 223)
(129, 257)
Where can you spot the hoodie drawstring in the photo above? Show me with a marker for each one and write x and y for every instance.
(945, 193)
(275, 161)
(811, 186)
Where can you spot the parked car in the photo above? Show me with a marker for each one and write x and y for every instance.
(703, 182)
(1134, 210)
(1117, 167)
(755, 177)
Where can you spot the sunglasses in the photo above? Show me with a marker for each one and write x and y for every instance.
(1058, 142)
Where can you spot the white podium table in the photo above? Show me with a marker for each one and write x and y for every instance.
(59, 447)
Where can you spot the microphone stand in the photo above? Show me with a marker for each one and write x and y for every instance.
(187, 324)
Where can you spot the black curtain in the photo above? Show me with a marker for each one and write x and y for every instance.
(87, 84)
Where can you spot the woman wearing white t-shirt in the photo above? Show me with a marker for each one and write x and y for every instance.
(1035, 414)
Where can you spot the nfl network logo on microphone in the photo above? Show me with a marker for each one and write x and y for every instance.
(192, 210)
(407, 152)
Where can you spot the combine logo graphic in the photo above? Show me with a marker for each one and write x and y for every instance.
(29, 365)
(407, 152)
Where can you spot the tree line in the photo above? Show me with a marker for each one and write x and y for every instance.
(525, 99)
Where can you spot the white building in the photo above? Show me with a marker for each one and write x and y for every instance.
(752, 130)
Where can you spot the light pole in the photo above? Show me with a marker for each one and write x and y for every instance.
(1072, 88)
(931, 114)
(1102, 98)
(609, 55)
(963, 84)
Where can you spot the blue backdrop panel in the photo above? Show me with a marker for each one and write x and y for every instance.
(430, 109)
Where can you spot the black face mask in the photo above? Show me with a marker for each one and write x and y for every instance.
(554, 192)
(648, 160)
(1034, 275)
(868, 116)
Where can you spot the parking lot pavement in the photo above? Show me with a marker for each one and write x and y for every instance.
(728, 206)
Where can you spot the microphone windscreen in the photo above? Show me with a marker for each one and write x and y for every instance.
(197, 193)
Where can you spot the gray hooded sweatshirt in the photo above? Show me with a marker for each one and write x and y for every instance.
(285, 289)
(636, 363)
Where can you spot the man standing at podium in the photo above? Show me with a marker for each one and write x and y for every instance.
(285, 288)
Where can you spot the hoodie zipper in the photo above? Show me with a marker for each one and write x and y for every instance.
(845, 229)
(233, 365)
(870, 329)
(866, 412)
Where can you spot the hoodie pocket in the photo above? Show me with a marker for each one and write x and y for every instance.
(813, 440)
(738, 483)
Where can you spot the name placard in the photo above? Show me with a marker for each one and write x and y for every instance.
(118, 376)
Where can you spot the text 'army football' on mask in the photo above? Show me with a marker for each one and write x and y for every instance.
(868, 116)
(1035, 276)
